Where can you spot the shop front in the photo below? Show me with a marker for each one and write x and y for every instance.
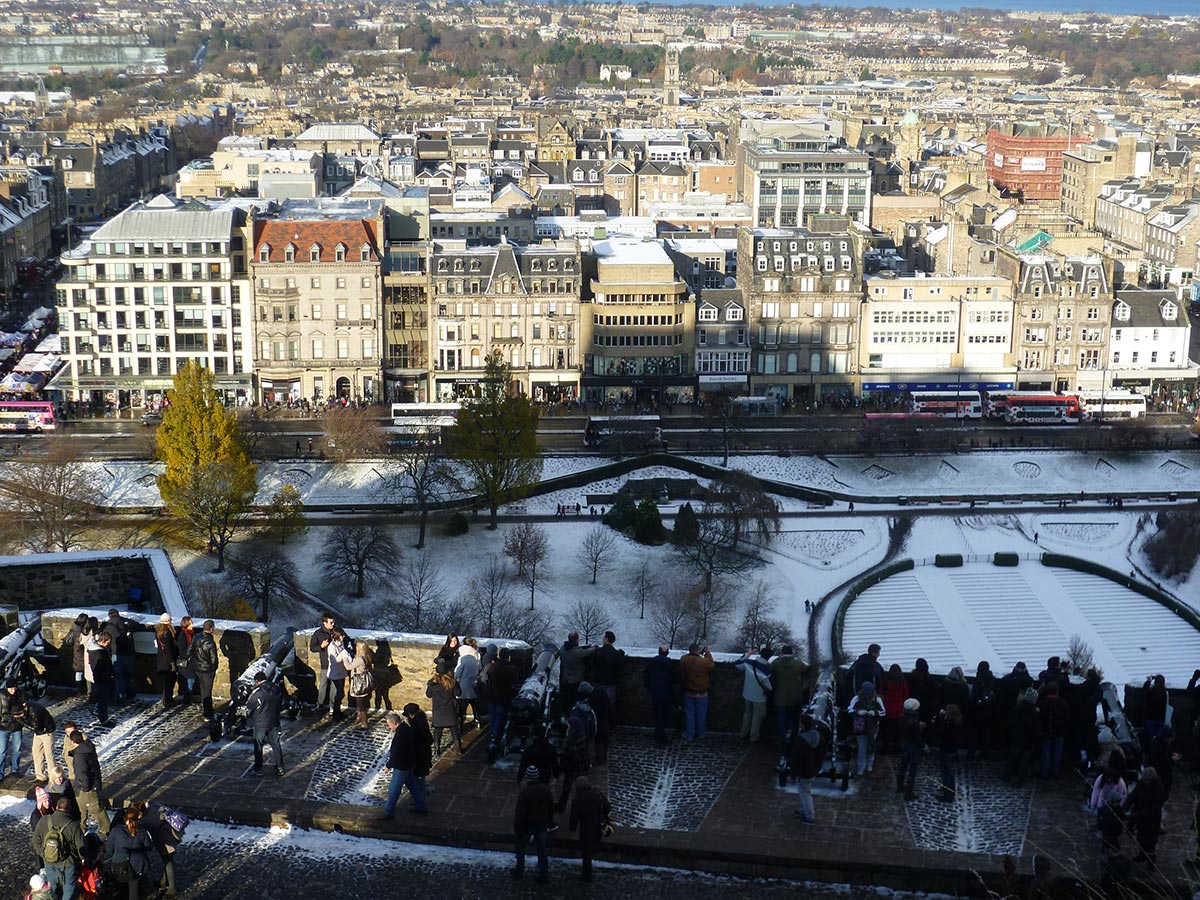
(713, 387)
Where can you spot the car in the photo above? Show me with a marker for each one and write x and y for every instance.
(151, 418)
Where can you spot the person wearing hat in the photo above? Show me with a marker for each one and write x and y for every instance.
(804, 762)
(532, 818)
(1022, 737)
(58, 842)
(12, 720)
(39, 888)
(912, 742)
(440, 690)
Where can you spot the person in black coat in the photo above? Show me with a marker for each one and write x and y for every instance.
(88, 781)
(1009, 689)
(607, 663)
(661, 679)
(104, 677)
(319, 645)
(166, 657)
(541, 755)
(589, 810)
(204, 660)
(1145, 807)
(128, 850)
(409, 759)
(922, 689)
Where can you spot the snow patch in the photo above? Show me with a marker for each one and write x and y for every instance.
(877, 473)
(1027, 470)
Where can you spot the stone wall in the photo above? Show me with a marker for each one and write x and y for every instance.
(724, 698)
(403, 662)
(66, 581)
(8, 619)
(238, 643)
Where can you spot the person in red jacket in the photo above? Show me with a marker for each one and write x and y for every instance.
(894, 691)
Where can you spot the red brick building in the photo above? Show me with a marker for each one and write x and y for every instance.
(1025, 158)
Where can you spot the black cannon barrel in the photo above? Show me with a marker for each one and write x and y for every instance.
(14, 645)
(1114, 715)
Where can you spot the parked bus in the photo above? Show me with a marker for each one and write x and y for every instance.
(407, 411)
(1100, 406)
(33, 416)
(624, 432)
(420, 424)
(754, 407)
(995, 404)
(947, 404)
(1042, 408)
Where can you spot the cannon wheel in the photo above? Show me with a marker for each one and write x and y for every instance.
(35, 686)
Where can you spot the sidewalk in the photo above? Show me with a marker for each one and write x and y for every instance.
(712, 805)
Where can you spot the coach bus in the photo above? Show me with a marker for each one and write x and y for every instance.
(1042, 408)
(420, 423)
(1100, 406)
(27, 416)
(947, 404)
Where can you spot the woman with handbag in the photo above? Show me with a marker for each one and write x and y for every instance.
(183, 667)
(362, 683)
(128, 851)
(866, 711)
(166, 657)
(442, 690)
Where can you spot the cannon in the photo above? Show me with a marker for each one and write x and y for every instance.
(17, 659)
(1118, 722)
(277, 664)
(823, 709)
(531, 707)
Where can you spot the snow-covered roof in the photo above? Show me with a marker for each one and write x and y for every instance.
(959, 616)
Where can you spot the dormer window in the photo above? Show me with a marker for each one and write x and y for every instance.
(708, 313)
(339, 253)
(537, 265)
(264, 253)
(1169, 310)
(458, 265)
(733, 313)
(579, 174)
(1121, 312)
(289, 253)
(364, 253)
(441, 265)
(568, 265)
(552, 265)
(474, 265)
(314, 253)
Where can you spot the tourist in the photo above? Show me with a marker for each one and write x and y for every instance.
(589, 812)
(204, 661)
(339, 657)
(121, 631)
(1083, 699)
(805, 760)
(894, 692)
(1144, 806)
(1009, 690)
(12, 721)
(866, 710)
(58, 842)
(166, 656)
(539, 754)
(449, 651)
(1108, 783)
(607, 664)
(661, 682)
(1154, 707)
(319, 644)
(184, 638)
(263, 708)
(88, 782)
(605, 716)
(955, 690)
(128, 850)
(756, 689)
(503, 684)
(39, 888)
(572, 661)
(532, 819)
(1052, 672)
(866, 668)
(1054, 718)
(104, 677)
(409, 760)
(74, 641)
(69, 728)
(695, 671)
(912, 745)
(1023, 737)
(1108, 820)
(362, 683)
(983, 709)
(573, 758)
(58, 786)
(43, 805)
(90, 645)
(789, 674)
(922, 688)
(440, 689)
(466, 673)
(165, 839)
(948, 734)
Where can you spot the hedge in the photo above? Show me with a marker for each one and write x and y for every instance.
(948, 560)
(839, 617)
(1006, 559)
(1060, 561)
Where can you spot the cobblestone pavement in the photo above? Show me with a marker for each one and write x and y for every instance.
(986, 815)
(218, 862)
(671, 788)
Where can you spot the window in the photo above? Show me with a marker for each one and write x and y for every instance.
(318, 348)
(702, 336)
(343, 348)
(289, 253)
(314, 253)
(364, 253)
(339, 253)
(1133, 357)
(264, 253)
(818, 309)
(733, 313)
(341, 284)
(315, 283)
(368, 348)
(341, 312)
(708, 314)
(770, 310)
(366, 310)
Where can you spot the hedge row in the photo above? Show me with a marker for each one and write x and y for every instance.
(839, 618)
(1060, 561)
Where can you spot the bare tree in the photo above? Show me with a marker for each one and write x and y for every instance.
(488, 593)
(527, 545)
(258, 427)
(263, 574)
(710, 611)
(359, 552)
(450, 617)
(670, 615)
(352, 432)
(286, 512)
(421, 587)
(712, 553)
(420, 478)
(589, 617)
(759, 626)
(643, 585)
(56, 500)
(597, 549)
(1080, 655)
(741, 497)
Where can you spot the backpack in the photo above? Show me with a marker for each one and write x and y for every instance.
(177, 820)
(54, 849)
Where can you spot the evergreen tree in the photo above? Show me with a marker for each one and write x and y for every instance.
(495, 441)
(687, 526)
(209, 480)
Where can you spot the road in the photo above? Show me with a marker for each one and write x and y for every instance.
(127, 438)
(217, 862)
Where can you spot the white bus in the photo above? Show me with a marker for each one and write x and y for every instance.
(1042, 408)
(420, 423)
(624, 432)
(1101, 406)
(947, 404)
